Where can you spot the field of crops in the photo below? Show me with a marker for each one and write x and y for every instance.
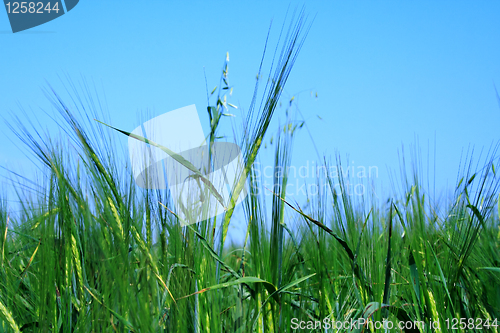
(90, 251)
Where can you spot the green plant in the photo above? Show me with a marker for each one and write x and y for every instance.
(89, 251)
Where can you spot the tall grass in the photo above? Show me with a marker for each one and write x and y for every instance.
(91, 252)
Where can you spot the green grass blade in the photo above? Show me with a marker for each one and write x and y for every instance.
(179, 159)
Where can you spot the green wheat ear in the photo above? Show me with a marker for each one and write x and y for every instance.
(260, 119)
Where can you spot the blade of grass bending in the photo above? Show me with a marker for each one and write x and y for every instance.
(176, 157)
(322, 226)
(248, 279)
(24, 235)
(164, 295)
(357, 270)
(373, 307)
(205, 244)
(288, 286)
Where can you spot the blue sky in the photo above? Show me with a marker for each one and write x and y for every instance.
(387, 73)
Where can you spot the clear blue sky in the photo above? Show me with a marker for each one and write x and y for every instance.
(386, 72)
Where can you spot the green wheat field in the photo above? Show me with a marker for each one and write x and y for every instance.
(90, 251)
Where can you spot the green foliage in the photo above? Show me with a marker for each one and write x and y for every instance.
(89, 251)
